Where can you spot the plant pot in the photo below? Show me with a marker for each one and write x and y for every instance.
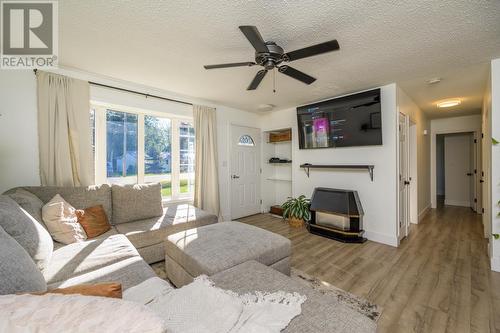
(295, 222)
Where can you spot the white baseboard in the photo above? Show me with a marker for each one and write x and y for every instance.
(382, 238)
(424, 212)
(495, 264)
(457, 203)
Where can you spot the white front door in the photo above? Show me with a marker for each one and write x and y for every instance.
(403, 177)
(245, 171)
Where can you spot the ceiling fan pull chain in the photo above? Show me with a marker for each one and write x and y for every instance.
(274, 80)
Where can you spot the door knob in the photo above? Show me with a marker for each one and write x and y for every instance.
(407, 182)
(469, 174)
(481, 181)
(235, 176)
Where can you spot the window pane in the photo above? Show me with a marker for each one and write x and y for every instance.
(186, 158)
(158, 152)
(121, 147)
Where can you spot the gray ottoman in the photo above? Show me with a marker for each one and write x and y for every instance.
(217, 247)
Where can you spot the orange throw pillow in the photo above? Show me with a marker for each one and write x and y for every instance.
(93, 220)
(112, 289)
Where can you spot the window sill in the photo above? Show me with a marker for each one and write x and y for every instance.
(166, 201)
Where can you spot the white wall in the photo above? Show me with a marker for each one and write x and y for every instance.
(448, 126)
(458, 162)
(408, 107)
(495, 163)
(378, 197)
(18, 130)
(18, 123)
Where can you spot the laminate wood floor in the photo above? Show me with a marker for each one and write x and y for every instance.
(438, 280)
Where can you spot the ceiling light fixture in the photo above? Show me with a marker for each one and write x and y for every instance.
(449, 103)
(434, 80)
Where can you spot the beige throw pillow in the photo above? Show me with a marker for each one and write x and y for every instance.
(62, 222)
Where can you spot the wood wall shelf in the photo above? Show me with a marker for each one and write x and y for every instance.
(367, 167)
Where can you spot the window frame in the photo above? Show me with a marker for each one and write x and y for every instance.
(100, 145)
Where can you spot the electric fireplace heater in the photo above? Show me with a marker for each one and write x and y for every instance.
(337, 214)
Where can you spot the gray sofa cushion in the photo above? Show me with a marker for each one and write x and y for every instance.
(78, 197)
(320, 313)
(216, 247)
(29, 202)
(84, 257)
(26, 231)
(18, 272)
(129, 272)
(175, 218)
(136, 202)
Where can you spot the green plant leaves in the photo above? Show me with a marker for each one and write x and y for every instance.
(297, 207)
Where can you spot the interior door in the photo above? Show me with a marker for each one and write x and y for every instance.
(473, 159)
(403, 177)
(245, 171)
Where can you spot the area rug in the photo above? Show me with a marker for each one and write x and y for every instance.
(359, 304)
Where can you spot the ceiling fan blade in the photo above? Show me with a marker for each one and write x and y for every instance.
(257, 79)
(234, 64)
(296, 74)
(310, 51)
(254, 37)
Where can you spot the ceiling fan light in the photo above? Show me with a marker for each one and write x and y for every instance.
(449, 103)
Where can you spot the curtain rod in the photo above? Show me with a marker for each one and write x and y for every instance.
(134, 92)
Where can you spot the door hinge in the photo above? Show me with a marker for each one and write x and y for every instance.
(261, 201)
(475, 140)
(475, 199)
(482, 135)
(482, 210)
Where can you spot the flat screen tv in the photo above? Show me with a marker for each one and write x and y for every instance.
(354, 120)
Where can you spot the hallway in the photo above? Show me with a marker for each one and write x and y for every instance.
(438, 280)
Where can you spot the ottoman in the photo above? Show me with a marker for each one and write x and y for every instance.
(214, 248)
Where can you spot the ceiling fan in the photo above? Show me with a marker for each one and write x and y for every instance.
(270, 56)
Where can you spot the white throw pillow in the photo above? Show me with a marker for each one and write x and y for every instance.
(75, 313)
(62, 222)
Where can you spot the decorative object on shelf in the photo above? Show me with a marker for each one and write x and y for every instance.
(296, 210)
(280, 135)
(277, 160)
(308, 166)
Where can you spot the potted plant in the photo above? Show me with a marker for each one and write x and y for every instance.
(296, 210)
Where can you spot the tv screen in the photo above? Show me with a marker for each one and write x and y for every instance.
(354, 120)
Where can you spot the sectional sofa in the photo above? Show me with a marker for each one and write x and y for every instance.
(113, 257)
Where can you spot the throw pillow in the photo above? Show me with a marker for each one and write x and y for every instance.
(93, 220)
(136, 202)
(112, 289)
(26, 231)
(62, 222)
(76, 313)
(18, 272)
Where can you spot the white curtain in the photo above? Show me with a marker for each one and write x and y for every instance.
(64, 131)
(206, 188)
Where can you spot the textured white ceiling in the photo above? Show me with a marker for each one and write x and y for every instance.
(165, 44)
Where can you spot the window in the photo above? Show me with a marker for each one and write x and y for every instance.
(121, 147)
(246, 140)
(133, 146)
(186, 157)
(158, 152)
